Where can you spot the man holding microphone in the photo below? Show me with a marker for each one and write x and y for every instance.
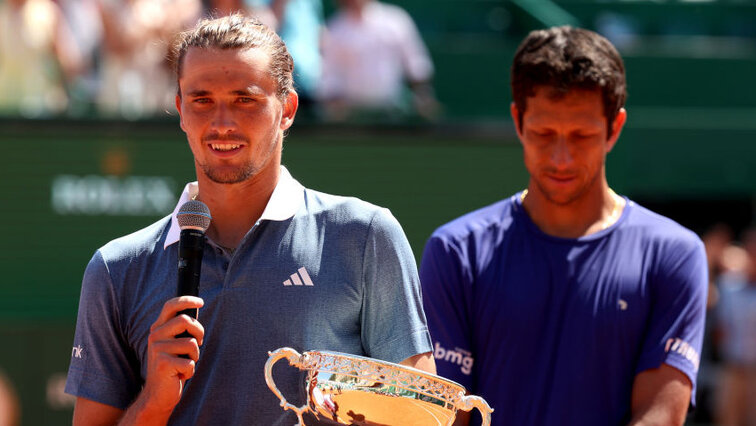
(283, 265)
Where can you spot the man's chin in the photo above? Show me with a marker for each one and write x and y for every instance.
(229, 177)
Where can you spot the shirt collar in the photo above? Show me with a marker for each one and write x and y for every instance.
(283, 204)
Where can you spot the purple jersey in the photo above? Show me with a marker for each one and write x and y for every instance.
(553, 331)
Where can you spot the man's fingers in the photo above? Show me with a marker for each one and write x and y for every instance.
(171, 365)
(173, 306)
(176, 326)
(180, 346)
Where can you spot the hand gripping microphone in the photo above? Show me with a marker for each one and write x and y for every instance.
(193, 219)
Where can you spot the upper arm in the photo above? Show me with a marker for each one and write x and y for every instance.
(391, 289)
(660, 396)
(445, 277)
(676, 321)
(90, 413)
(103, 365)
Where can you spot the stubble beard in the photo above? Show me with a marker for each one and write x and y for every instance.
(237, 175)
(231, 175)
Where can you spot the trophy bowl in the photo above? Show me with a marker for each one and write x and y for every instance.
(354, 390)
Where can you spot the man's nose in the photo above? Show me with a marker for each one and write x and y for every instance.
(561, 155)
(223, 120)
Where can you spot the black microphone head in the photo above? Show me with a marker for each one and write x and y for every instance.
(194, 215)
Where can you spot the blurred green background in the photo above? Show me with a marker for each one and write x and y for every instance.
(67, 186)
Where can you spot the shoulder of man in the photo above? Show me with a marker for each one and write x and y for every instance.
(141, 242)
(494, 217)
(342, 209)
(662, 229)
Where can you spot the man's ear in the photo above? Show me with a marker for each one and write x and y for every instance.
(178, 108)
(617, 125)
(516, 118)
(290, 106)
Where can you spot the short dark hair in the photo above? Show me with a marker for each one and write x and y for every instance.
(565, 58)
(237, 31)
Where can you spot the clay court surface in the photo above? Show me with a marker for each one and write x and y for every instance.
(363, 408)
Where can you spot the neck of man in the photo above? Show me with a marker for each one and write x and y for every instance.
(237, 207)
(595, 210)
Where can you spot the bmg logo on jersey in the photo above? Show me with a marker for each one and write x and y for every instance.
(457, 356)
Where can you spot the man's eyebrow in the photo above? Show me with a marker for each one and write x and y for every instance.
(247, 91)
(198, 93)
(237, 92)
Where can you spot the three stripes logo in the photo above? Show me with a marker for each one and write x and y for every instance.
(301, 277)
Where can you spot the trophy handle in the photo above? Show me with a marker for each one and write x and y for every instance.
(471, 401)
(295, 359)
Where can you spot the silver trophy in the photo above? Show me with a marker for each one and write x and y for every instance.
(354, 390)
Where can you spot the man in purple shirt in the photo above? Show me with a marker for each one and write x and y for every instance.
(567, 304)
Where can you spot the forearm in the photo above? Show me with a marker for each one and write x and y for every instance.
(665, 410)
(657, 419)
(141, 412)
(660, 397)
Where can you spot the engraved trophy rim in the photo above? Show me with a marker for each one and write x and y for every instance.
(390, 365)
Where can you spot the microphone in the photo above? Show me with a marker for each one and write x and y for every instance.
(193, 219)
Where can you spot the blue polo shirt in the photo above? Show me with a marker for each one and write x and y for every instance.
(316, 272)
(553, 331)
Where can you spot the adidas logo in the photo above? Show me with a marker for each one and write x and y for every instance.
(301, 277)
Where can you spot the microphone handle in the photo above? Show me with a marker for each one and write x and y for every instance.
(191, 243)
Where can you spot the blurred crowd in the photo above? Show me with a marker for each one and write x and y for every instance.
(729, 364)
(111, 58)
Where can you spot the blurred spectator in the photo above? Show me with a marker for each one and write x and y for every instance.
(622, 30)
(736, 314)
(299, 23)
(38, 56)
(716, 240)
(370, 50)
(83, 17)
(10, 411)
(136, 77)
(261, 11)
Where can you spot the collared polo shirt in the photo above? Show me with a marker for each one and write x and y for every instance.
(316, 272)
